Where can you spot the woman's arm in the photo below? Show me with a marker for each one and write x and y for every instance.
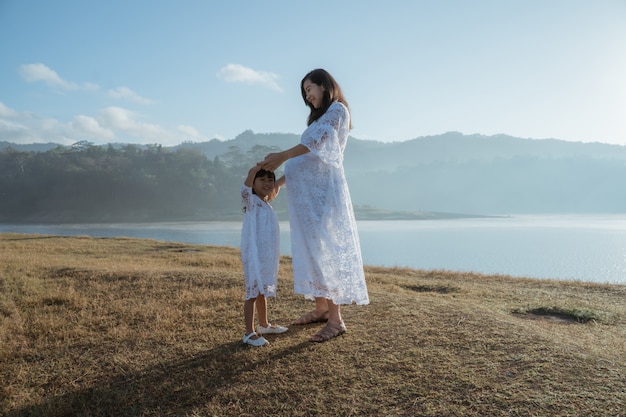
(273, 160)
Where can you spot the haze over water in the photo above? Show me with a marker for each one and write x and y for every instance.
(572, 247)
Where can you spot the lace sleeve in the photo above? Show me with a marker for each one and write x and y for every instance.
(246, 197)
(326, 137)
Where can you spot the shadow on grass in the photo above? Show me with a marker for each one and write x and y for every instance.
(168, 389)
(441, 289)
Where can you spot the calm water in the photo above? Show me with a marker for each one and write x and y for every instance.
(585, 248)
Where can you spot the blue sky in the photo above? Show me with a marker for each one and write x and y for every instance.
(172, 71)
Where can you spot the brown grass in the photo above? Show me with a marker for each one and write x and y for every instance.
(129, 327)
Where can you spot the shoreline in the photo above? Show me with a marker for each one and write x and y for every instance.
(361, 213)
(565, 280)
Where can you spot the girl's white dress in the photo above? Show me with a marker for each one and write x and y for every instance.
(324, 242)
(260, 245)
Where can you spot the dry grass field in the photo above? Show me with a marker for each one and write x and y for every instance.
(132, 327)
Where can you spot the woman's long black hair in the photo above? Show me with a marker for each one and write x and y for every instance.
(332, 93)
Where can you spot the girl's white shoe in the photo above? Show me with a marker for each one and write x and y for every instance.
(247, 339)
(270, 329)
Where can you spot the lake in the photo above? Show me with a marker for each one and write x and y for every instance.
(564, 247)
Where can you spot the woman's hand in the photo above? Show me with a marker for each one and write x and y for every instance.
(272, 161)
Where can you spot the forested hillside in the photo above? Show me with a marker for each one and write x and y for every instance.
(87, 183)
(483, 175)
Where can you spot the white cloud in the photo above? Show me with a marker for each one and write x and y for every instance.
(112, 124)
(9, 130)
(39, 72)
(7, 112)
(122, 120)
(28, 128)
(189, 131)
(91, 86)
(86, 126)
(126, 93)
(236, 73)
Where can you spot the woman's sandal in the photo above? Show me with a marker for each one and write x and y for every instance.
(312, 317)
(328, 332)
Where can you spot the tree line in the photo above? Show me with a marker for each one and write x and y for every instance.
(449, 173)
(88, 183)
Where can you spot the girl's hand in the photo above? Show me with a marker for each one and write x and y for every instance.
(280, 182)
(251, 174)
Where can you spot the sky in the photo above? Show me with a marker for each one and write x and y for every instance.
(167, 72)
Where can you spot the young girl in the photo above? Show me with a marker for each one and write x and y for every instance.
(260, 251)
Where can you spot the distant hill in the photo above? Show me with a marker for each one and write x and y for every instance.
(451, 147)
(473, 174)
(456, 173)
(454, 147)
(488, 175)
(33, 147)
(244, 141)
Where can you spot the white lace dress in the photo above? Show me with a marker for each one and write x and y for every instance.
(324, 242)
(260, 245)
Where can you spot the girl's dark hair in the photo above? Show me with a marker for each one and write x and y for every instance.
(261, 173)
(332, 93)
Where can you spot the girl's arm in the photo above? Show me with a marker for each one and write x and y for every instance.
(273, 160)
(277, 184)
(249, 182)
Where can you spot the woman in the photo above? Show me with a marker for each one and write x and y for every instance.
(325, 247)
